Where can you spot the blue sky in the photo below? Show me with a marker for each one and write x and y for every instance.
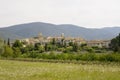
(86, 13)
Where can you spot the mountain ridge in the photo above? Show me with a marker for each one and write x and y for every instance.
(27, 30)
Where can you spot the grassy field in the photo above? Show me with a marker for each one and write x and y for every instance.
(20, 70)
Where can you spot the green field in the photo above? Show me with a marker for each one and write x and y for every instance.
(19, 70)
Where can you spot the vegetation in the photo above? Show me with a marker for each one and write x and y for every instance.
(60, 51)
(74, 56)
(18, 31)
(106, 69)
(8, 52)
(1, 46)
(115, 44)
(18, 70)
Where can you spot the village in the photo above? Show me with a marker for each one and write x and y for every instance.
(65, 40)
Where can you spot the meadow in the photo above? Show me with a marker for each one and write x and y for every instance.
(24, 70)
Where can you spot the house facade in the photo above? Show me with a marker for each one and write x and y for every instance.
(98, 43)
(65, 40)
(58, 39)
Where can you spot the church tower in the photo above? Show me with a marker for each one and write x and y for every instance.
(40, 35)
(62, 35)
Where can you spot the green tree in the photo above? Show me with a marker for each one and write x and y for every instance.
(71, 43)
(41, 48)
(68, 49)
(36, 47)
(16, 52)
(83, 45)
(53, 41)
(49, 47)
(30, 47)
(17, 43)
(63, 43)
(1, 46)
(46, 47)
(115, 44)
(24, 50)
(89, 49)
(75, 47)
(8, 51)
(8, 43)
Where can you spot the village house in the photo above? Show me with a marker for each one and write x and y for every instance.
(62, 40)
(58, 39)
(98, 43)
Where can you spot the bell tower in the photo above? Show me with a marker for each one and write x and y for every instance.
(62, 35)
(40, 35)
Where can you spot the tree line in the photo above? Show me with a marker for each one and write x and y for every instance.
(55, 50)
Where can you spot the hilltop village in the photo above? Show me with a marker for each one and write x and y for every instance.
(63, 48)
(40, 39)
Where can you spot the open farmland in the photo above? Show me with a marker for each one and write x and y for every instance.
(20, 70)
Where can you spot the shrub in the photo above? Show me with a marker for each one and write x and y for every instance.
(17, 52)
(68, 49)
(109, 57)
(32, 54)
(8, 52)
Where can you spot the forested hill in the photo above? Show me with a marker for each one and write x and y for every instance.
(47, 29)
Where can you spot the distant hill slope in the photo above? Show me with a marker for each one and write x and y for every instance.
(33, 29)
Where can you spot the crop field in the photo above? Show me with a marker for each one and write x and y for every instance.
(20, 70)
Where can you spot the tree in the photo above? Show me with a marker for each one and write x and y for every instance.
(5, 42)
(30, 47)
(68, 49)
(71, 43)
(17, 43)
(1, 46)
(41, 48)
(115, 44)
(119, 40)
(37, 46)
(16, 52)
(62, 42)
(89, 49)
(24, 50)
(53, 41)
(8, 43)
(75, 47)
(46, 47)
(8, 51)
(83, 45)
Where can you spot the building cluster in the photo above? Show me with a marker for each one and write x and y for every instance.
(62, 39)
(99, 43)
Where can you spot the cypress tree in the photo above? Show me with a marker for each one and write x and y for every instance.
(8, 43)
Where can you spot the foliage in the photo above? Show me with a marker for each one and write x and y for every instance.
(62, 51)
(89, 49)
(75, 47)
(16, 52)
(17, 43)
(8, 51)
(115, 44)
(1, 46)
(53, 41)
(32, 54)
(75, 56)
(21, 70)
(68, 49)
(8, 43)
(41, 48)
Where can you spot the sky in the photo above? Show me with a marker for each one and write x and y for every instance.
(85, 13)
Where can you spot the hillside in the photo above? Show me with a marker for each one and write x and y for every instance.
(47, 29)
